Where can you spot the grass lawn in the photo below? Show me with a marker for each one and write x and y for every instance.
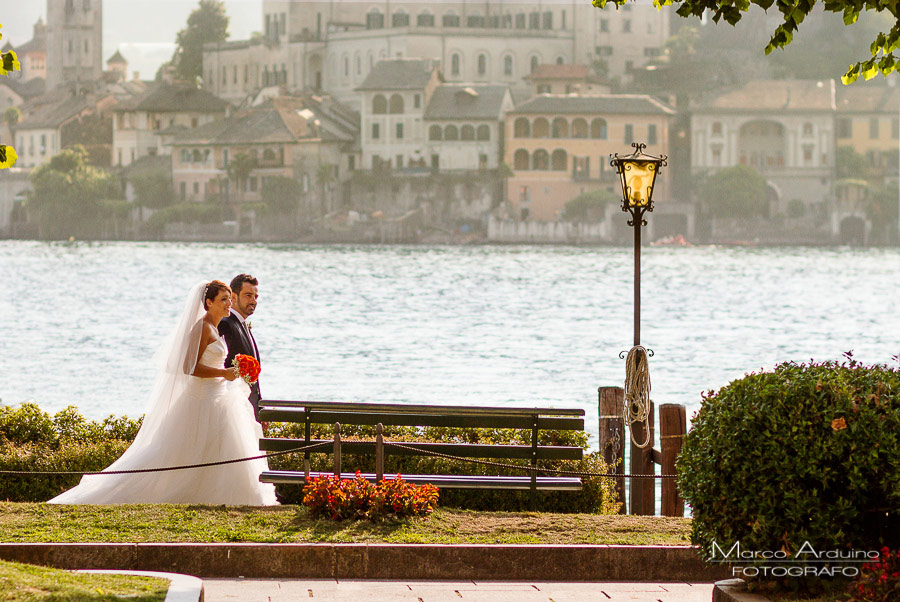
(35, 522)
(21, 582)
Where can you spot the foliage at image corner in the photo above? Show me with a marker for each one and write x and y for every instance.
(883, 59)
(8, 62)
(808, 452)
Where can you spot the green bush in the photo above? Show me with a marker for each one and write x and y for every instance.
(69, 457)
(806, 453)
(187, 212)
(31, 439)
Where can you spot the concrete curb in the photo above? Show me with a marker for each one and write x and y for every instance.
(380, 561)
(734, 590)
(182, 588)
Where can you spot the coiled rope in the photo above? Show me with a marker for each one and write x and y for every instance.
(637, 392)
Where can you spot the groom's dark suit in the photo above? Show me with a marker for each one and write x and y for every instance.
(240, 341)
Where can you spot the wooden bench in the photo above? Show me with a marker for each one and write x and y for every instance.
(337, 413)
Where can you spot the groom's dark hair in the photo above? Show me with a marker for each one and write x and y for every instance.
(237, 283)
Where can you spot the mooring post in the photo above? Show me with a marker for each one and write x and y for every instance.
(337, 449)
(379, 453)
(672, 428)
(643, 489)
(612, 436)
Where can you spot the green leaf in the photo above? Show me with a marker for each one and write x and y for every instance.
(850, 16)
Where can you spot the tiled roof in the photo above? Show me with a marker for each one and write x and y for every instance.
(33, 87)
(777, 95)
(626, 104)
(559, 72)
(466, 101)
(38, 44)
(55, 114)
(279, 120)
(399, 74)
(863, 97)
(116, 58)
(170, 98)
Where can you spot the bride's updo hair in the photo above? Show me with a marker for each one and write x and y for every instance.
(212, 291)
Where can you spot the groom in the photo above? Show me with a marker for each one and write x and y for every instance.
(236, 330)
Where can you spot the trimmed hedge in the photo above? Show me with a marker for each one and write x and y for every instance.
(31, 439)
(806, 453)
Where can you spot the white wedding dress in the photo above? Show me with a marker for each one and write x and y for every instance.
(192, 420)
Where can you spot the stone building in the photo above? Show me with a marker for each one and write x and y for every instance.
(334, 44)
(74, 41)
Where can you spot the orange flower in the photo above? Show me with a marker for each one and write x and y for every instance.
(838, 424)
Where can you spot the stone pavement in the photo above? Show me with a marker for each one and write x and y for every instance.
(331, 590)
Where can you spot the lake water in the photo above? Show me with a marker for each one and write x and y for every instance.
(468, 325)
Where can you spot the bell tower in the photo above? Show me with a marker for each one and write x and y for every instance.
(74, 41)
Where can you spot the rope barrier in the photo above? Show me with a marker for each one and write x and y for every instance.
(165, 469)
(574, 473)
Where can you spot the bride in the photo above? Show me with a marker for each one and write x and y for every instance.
(198, 413)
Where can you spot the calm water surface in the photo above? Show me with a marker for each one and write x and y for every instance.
(484, 325)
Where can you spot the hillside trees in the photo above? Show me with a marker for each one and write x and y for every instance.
(207, 23)
(71, 197)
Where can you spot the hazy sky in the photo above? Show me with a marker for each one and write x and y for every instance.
(142, 30)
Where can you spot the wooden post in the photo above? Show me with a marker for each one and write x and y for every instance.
(379, 453)
(672, 427)
(612, 435)
(306, 442)
(337, 449)
(643, 490)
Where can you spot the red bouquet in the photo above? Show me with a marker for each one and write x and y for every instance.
(246, 367)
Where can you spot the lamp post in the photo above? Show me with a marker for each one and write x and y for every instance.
(637, 175)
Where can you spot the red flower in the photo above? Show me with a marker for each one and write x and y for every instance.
(246, 367)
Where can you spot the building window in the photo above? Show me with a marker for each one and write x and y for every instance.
(450, 20)
(484, 133)
(521, 160)
(224, 75)
(346, 66)
(626, 26)
(563, 26)
(520, 21)
(629, 133)
(417, 101)
(482, 161)
(374, 20)
(425, 20)
(434, 132)
(482, 64)
(604, 50)
(435, 162)
(807, 153)
(844, 128)
(475, 21)
(396, 105)
(652, 52)
(507, 65)
(895, 128)
(534, 20)
(467, 133)
(379, 104)
(581, 168)
(376, 131)
(283, 25)
(547, 20)
(651, 134)
(400, 19)
(454, 64)
(399, 160)
(873, 128)
(522, 128)
(807, 129)
(598, 129)
(196, 188)
(399, 131)
(246, 74)
(182, 189)
(534, 63)
(717, 128)
(451, 132)
(717, 156)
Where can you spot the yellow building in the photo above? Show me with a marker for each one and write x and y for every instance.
(868, 121)
(558, 147)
